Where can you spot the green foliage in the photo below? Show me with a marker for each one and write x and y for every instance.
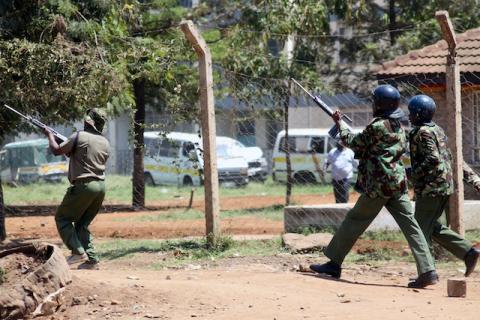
(2, 276)
(181, 252)
(57, 82)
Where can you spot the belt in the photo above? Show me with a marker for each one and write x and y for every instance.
(85, 180)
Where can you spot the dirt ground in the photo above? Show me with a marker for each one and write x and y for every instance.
(261, 289)
(243, 287)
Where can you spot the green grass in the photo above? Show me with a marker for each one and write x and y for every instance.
(274, 213)
(119, 191)
(183, 252)
(2, 276)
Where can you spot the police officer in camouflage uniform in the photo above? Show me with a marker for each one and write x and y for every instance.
(381, 182)
(433, 182)
(88, 151)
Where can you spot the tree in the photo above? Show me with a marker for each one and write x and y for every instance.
(49, 70)
(143, 38)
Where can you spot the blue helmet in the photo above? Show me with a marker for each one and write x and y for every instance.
(386, 100)
(422, 108)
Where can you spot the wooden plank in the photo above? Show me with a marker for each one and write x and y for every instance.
(454, 127)
(212, 202)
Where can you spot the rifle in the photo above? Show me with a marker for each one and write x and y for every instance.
(58, 137)
(333, 132)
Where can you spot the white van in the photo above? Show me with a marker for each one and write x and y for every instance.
(308, 152)
(176, 159)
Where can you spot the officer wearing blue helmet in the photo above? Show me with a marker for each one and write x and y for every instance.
(381, 182)
(433, 181)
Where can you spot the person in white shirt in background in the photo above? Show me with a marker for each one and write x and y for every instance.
(343, 162)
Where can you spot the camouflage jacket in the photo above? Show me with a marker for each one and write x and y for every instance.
(471, 177)
(431, 161)
(379, 148)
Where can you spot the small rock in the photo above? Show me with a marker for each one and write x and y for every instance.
(340, 295)
(115, 302)
(42, 225)
(193, 267)
(49, 308)
(90, 298)
(168, 277)
(304, 268)
(76, 301)
(133, 278)
(345, 301)
(151, 316)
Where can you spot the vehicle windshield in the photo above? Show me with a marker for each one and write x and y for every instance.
(44, 155)
(225, 150)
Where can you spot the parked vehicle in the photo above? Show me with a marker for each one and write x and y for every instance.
(176, 158)
(31, 161)
(257, 164)
(308, 150)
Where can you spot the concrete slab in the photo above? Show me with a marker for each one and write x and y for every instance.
(331, 216)
(298, 243)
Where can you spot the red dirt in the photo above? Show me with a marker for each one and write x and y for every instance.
(111, 224)
(262, 291)
(16, 267)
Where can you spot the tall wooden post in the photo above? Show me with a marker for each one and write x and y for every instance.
(212, 203)
(454, 127)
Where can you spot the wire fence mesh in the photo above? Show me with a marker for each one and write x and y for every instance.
(260, 124)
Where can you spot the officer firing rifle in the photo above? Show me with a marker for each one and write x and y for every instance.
(58, 137)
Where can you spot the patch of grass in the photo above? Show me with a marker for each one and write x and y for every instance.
(119, 188)
(384, 235)
(270, 213)
(473, 235)
(182, 252)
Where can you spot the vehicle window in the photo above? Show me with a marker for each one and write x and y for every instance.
(331, 143)
(223, 151)
(22, 157)
(3, 159)
(169, 148)
(291, 145)
(317, 145)
(152, 147)
(187, 147)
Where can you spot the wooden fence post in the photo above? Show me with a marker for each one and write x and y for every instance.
(212, 203)
(454, 127)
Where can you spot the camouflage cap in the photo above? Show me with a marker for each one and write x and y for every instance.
(96, 118)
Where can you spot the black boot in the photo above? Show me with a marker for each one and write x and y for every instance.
(425, 279)
(471, 259)
(331, 268)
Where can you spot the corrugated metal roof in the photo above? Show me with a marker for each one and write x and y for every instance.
(432, 59)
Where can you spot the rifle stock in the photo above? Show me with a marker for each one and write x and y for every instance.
(58, 137)
(333, 132)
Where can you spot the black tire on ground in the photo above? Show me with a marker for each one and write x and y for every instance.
(148, 179)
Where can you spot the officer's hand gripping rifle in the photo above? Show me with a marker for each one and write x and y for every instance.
(58, 137)
(333, 132)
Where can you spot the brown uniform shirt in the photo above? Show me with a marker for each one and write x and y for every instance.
(89, 157)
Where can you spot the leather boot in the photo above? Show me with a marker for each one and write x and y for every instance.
(471, 259)
(330, 268)
(425, 279)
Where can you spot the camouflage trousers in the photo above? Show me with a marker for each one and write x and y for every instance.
(428, 211)
(363, 213)
(79, 207)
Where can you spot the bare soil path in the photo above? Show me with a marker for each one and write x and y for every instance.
(263, 291)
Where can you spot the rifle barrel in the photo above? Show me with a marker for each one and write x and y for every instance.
(320, 102)
(19, 113)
